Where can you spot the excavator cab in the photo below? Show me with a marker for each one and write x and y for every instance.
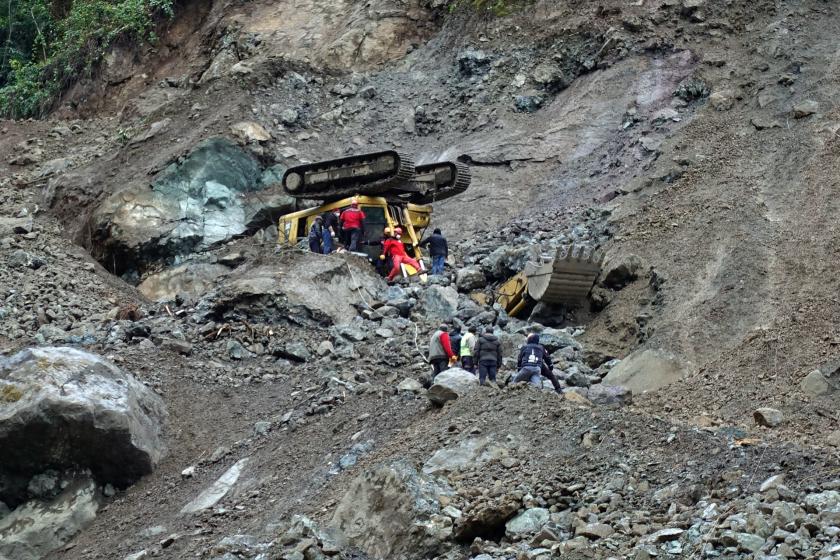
(379, 214)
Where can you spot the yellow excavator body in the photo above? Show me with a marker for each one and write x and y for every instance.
(380, 215)
(565, 279)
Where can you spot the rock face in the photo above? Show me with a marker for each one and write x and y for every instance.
(452, 384)
(65, 408)
(37, 528)
(203, 200)
(646, 370)
(392, 510)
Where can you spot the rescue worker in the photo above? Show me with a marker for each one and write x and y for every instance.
(489, 352)
(467, 350)
(440, 350)
(394, 249)
(438, 251)
(330, 229)
(534, 362)
(455, 339)
(352, 225)
(316, 234)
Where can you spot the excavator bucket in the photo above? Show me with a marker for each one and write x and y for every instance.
(366, 174)
(565, 280)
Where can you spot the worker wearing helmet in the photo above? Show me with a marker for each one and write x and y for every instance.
(394, 249)
(353, 224)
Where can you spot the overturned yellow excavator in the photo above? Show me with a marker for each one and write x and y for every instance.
(389, 188)
(564, 280)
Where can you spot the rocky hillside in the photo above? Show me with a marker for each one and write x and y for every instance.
(172, 385)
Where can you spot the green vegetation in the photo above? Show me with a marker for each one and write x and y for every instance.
(45, 45)
(495, 7)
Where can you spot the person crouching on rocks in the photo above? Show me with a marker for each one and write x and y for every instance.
(440, 350)
(534, 362)
(489, 353)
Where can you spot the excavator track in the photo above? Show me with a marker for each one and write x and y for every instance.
(567, 279)
(439, 181)
(366, 174)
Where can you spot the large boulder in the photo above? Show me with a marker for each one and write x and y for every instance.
(470, 278)
(204, 199)
(391, 511)
(191, 280)
(439, 303)
(452, 384)
(322, 290)
(647, 370)
(37, 528)
(63, 408)
(471, 452)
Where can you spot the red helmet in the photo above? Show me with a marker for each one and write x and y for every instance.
(397, 231)
(354, 203)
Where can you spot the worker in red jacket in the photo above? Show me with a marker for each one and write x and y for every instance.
(353, 225)
(394, 249)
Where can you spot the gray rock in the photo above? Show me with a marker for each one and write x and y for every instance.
(529, 521)
(551, 77)
(647, 370)
(470, 452)
(36, 528)
(22, 259)
(262, 428)
(297, 351)
(815, 384)
(178, 346)
(289, 117)
(805, 108)
(192, 279)
(470, 278)
(554, 340)
(620, 271)
(235, 349)
(410, 385)
(594, 530)
(67, 408)
(392, 511)
(439, 303)
(822, 501)
(603, 395)
(474, 62)
(452, 384)
(769, 417)
(218, 490)
(527, 103)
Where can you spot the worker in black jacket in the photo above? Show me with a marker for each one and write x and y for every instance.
(438, 250)
(534, 362)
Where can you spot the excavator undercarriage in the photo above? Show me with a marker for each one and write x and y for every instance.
(390, 174)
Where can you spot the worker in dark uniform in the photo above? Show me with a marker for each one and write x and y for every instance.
(438, 250)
